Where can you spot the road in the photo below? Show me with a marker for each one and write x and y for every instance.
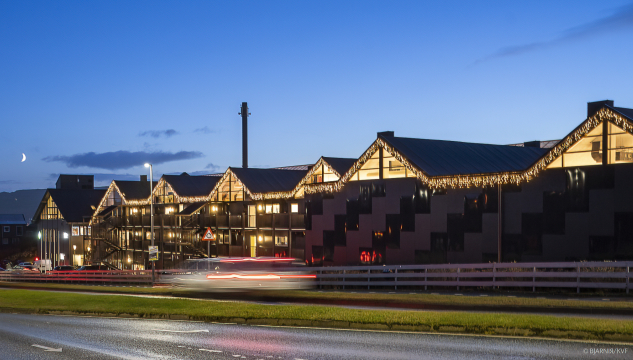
(114, 338)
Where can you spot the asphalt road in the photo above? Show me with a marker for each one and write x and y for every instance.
(72, 337)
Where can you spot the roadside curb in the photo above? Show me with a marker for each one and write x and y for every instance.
(337, 324)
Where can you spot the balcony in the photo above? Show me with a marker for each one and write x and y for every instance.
(282, 221)
(297, 221)
(265, 221)
(235, 221)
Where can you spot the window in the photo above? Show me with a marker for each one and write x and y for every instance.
(294, 208)
(252, 216)
(281, 240)
(75, 230)
(269, 209)
(18, 231)
(7, 228)
(275, 208)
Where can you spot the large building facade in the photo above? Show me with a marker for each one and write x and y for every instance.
(403, 201)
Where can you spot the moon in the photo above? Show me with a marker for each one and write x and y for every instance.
(23, 157)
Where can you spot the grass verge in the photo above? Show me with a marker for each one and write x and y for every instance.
(27, 301)
(418, 300)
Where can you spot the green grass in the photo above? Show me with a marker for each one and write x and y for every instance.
(314, 315)
(420, 299)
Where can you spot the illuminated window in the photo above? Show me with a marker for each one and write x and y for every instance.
(275, 208)
(269, 208)
(252, 216)
(620, 146)
(392, 168)
(294, 208)
(281, 240)
(370, 169)
(75, 230)
(588, 150)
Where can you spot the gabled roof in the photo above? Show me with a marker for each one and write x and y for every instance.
(447, 158)
(340, 165)
(74, 204)
(134, 190)
(187, 185)
(623, 111)
(268, 180)
(12, 219)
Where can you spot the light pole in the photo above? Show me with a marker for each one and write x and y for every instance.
(151, 210)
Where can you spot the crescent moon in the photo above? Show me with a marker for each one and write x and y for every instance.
(23, 157)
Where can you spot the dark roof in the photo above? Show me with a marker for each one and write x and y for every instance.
(192, 208)
(187, 185)
(446, 158)
(75, 204)
(12, 219)
(624, 111)
(295, 167)
(134, 190)
(341, 165)
(269, 180)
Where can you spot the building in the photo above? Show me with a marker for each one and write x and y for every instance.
(403, 201)
(13, 229)
(62, 220)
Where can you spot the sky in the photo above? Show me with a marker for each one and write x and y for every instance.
(101, 87)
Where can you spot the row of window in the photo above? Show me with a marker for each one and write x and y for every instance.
(19, 231)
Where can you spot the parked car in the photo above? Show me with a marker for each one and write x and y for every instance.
(92, 268)
(25, 268)
(26, 263)
(64, 268)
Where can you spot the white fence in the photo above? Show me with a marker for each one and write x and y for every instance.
(579, 275)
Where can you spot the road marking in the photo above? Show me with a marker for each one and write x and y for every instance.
(211, 350)
(237, 355)
(182, 331)
(46, 348)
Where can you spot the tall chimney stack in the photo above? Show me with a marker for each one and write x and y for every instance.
(244, 112)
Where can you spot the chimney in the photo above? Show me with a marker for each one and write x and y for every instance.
(244, 112)
(144, 178)
(593, 107)
(386, 133)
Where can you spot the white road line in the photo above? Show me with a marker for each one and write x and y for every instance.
(211, 350)
(182, 331)
(46, 348)
(237, 355)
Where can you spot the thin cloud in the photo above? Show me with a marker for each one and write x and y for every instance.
(212, 167)
(158, 133)
(204, 130)
(121, 159)
(620, 20)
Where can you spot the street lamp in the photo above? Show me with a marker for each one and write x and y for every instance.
(151, 211)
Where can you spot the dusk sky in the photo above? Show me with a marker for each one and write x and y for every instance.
(100, 87)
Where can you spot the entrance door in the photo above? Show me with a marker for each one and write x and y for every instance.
(78, 260)
(253, 246)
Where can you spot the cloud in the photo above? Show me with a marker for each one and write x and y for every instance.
(158, 133)
(204, 130)
(212, 167)
(621, 19)
(121, 159)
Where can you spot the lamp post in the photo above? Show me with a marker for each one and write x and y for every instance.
(151, 210)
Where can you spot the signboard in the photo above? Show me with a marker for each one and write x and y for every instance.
(153, 253)
(208, 235)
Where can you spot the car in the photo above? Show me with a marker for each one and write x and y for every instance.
(2, 269)
(92, 268)
(25, 268)
(26, 263)
(64, 268)
(241, 274)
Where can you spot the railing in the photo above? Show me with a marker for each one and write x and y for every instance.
(136, 277)
(578, 275)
